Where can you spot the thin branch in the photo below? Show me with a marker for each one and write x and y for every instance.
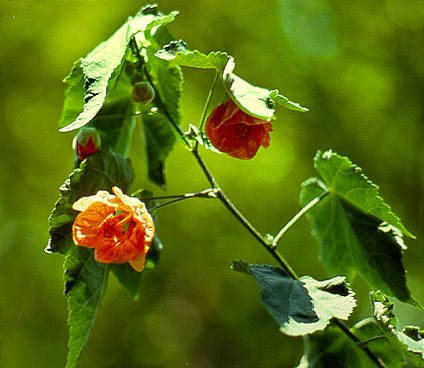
(305, 209)
(207, 193)
(360, 344)
(208, 100)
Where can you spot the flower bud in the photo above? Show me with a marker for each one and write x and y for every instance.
(86, 143)
(143, 93)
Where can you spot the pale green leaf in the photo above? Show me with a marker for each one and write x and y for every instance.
(253, 100)
(177, 52)
(285, 102)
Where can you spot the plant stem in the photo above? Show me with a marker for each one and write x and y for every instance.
(305, 209)
(208, 100)
(159, 103)
(207, 193)
(367, 351)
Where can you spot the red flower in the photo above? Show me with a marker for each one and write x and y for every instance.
(117, 226)
(235, 132)
(86, 143)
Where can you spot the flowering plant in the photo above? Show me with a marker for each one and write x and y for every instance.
(357, 231)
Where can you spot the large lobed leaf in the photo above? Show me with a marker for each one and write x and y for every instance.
(409, 342)
(300, 306)
(97, 73)
(85, 284)
(103, 170)
(357, 231)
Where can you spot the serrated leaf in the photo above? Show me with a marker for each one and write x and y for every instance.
(177, 52)
(332, 348)
(301, 306)
(411, 348)
(100, 70)
(103, 170)
(85, 284)
(353, 239)
(253, 100)
(345, 179)
(284, 101)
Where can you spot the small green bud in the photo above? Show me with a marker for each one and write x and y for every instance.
(143, 93)
(86, 143)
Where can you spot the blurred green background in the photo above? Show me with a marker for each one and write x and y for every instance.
(357, 65)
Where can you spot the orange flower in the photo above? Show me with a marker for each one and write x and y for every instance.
(235, 132)
(117, 226)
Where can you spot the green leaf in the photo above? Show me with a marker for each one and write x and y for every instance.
(300, 306)
(103, 170)
(167, 80)
(254, 101)
(346, 180)
(98, 72)
(177, 52)
(159, 140)
(332, 348)
(85, 284)
(356, 229)
(410, 342)
(285, 102)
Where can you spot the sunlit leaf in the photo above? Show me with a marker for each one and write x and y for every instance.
(98, 72)
(177, 52)
(300, 306)
(253, 100)
(356, 229)
(285, 102)
(410, 342)
(85, 284)
(101, 171)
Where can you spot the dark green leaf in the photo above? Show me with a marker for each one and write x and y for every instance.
(100, 171)
(159, 139)
(300, 306)
(332, 348)
(409, 342)
(353, 239)
(177, 52)
(167, 80)
(85, 284)
(98, 72)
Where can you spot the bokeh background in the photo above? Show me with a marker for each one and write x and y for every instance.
(357, 65)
